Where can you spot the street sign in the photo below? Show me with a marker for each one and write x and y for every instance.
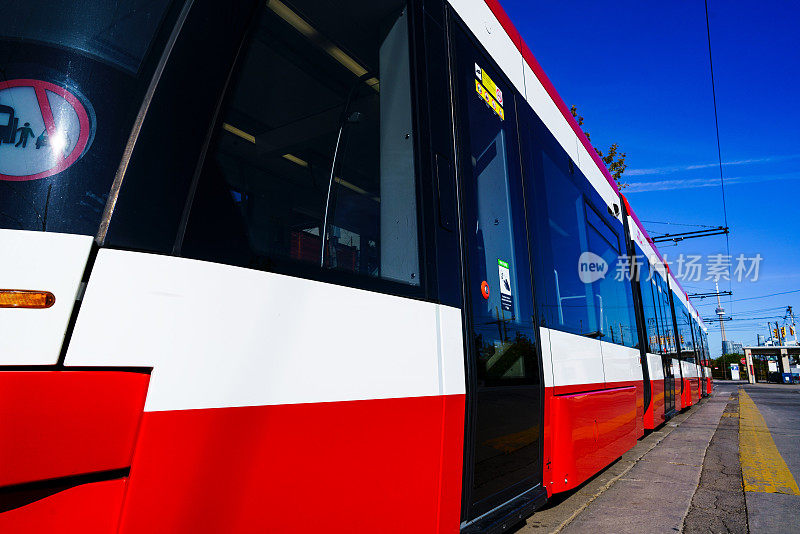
(743, 361)
(735, 371)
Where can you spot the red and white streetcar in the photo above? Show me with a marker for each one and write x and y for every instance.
(268, 261)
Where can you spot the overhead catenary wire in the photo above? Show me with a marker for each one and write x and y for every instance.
(746, 315)
(750, 313)
(680, 224)
(719, 149)
(714, 320)
(752, 298)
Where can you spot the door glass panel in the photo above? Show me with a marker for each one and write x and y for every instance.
(503, 345)
(669, 384)
(494, 267)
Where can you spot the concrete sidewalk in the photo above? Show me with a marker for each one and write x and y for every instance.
(649, 489)
(719, 504)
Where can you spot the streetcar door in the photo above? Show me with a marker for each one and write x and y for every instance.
(668, 348)
(700, 359)
(503, 438)
(669, 384)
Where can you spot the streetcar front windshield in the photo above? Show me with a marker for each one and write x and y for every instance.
(72, 79)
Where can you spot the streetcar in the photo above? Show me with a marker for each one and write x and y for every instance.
(275, 258)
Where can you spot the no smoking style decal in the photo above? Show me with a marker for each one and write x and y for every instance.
(44, 129)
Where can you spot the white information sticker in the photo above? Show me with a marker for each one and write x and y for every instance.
(506, 295)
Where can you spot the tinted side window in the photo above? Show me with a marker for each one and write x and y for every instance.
(652, 287)
(570, 304)
(668, 331)
(684, 330)
(651, 320)
(613, 292)
(691, 342)
(576, 247)
(665, 335)
(558, 235)
(313, 165)
(698, 342)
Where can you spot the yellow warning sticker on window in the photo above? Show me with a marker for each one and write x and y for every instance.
(489, 99)
(489, 84)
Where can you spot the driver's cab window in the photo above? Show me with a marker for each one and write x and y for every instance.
(312, 163)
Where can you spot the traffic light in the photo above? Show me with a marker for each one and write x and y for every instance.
(775, 332)
(783, 331)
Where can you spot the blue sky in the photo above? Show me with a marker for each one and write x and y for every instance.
(639, 74)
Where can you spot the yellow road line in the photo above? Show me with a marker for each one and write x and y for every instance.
(763, 467)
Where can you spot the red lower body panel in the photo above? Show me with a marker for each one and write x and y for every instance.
(709, 386)
(654, 415)
(61, 423)
(639, 385)
(58, 424)
(589, 431)
(687, 393)
(86, 509)
(392, 465)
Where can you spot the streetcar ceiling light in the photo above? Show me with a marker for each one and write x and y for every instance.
(25, 298)
(294, 159)
(349, 63)
(311, 33)
(355, 188)
(239, 133)
(350, 186)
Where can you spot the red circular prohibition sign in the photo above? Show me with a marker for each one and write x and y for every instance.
(41, 88)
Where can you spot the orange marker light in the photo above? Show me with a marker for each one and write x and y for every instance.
(25, 298)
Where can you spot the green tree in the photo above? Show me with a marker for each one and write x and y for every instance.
(614, 158)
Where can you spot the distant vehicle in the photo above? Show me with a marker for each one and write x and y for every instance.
(320, 264)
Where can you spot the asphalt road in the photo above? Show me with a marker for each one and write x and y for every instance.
(777, 510)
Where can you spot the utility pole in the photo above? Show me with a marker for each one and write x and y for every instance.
(783, 356)
(721, 313)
